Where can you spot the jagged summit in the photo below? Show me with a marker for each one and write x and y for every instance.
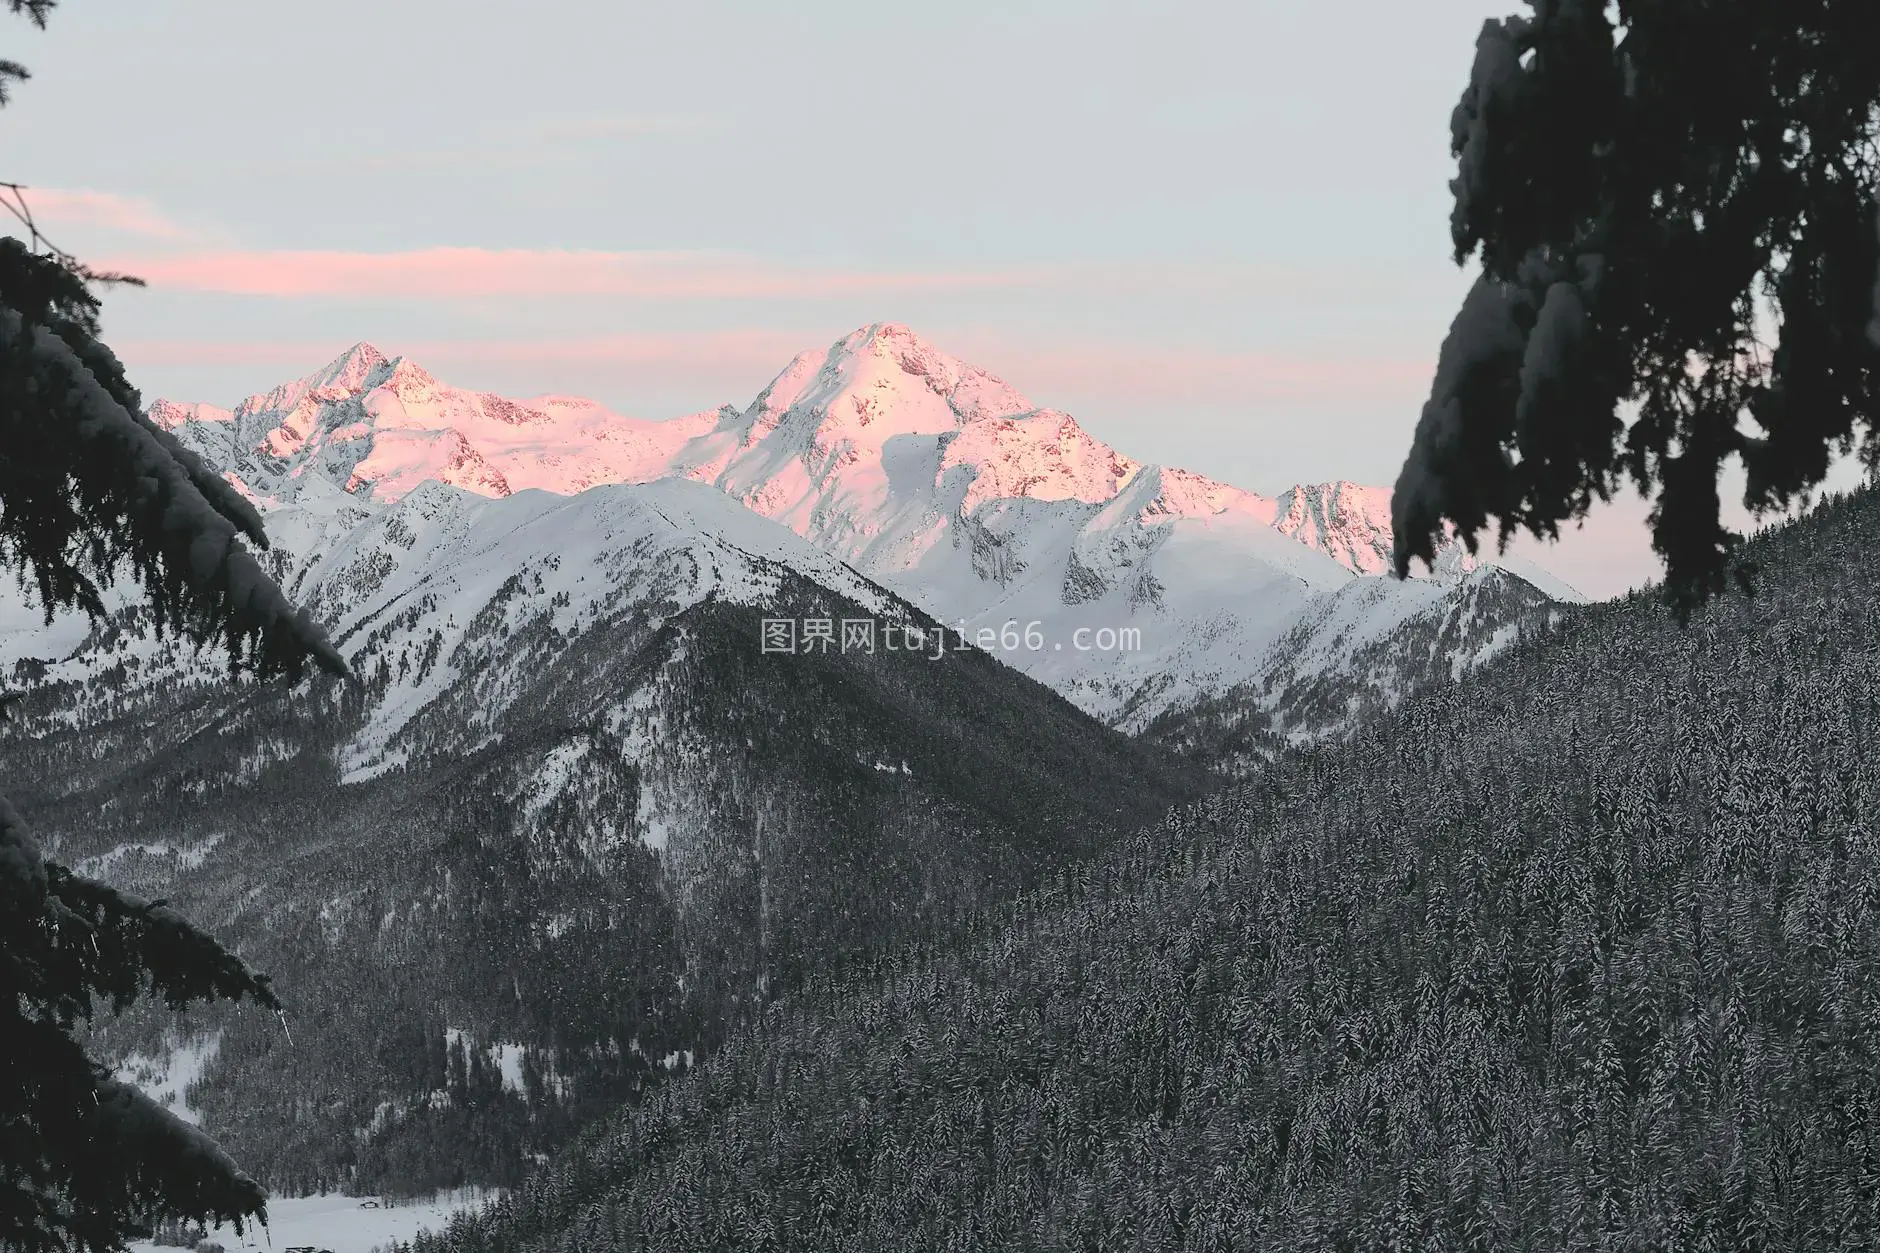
(972, 393)
(883, 371)
(358, 369)
(349, 371)
(377, 426)
(1349, 521)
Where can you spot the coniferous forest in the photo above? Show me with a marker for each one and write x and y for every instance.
(1579, 954)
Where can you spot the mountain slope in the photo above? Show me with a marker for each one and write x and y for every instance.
(1578, 954)
(1353, 656)
(574, 820)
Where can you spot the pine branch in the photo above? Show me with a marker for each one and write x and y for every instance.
(82, 463)
(109, 1158)
(87, 482)
(12, 71)
(101, 1154)
(22, 879)
(141, 1159)
(34, 9)
(118, 941)
(13, 200)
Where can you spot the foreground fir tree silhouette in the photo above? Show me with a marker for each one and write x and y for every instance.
(1651, 187)
(89, 489)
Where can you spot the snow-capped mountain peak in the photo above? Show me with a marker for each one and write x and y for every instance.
(356, 370)
(880, 443)
(377, 426)
(884, 356)
(879, 433)
(874, 384)
(350, 371)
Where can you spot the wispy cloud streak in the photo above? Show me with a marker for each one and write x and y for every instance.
(730, 357)
(1164, 376)
(56, 207)
(1063, 374)
(476, 273)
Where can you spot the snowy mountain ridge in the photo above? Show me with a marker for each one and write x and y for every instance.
(931, 477)
(378, 425)
(449, 592)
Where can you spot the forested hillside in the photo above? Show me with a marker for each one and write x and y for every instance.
(1582, 953)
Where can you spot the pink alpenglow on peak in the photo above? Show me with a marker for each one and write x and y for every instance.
(348, 372)
(377, 426)
(884, 372)
(1042, 455)
(878, 444)
(172, 416)
(1185, 494)
(1348, 522)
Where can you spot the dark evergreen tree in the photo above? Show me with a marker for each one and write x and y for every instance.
(89, 490)
(1647, 184)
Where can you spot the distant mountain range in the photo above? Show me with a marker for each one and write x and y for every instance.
(1135, 590)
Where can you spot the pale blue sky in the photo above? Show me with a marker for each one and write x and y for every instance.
(1216, 232)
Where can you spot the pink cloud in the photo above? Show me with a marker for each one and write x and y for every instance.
(644, 372)
(468, 273)
(773, 348)
(711, 350)
(55, 207)
(1183, 375)
(472, 273)
(1062, 374)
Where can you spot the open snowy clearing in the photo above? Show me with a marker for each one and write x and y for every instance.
(343, 1224)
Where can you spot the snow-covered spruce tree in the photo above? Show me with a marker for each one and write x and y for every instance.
(90, 489)
(1652, 185)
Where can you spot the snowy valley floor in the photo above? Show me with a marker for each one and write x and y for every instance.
(338, 1223)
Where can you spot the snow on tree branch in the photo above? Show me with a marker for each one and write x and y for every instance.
(182, 542)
